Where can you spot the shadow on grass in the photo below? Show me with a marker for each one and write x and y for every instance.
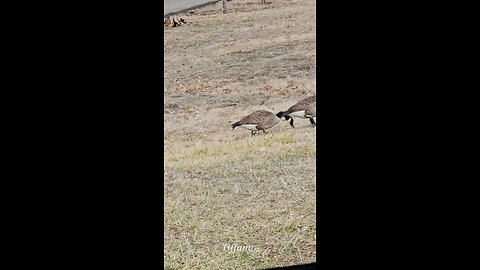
(299, 267)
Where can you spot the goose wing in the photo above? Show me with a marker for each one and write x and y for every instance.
(303, 104)
(255, 118)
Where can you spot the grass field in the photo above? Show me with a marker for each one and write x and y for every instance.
(223, 188)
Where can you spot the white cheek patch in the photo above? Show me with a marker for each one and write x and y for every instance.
(250, 127)
(300, 114)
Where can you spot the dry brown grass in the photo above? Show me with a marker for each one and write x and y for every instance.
(224, 186)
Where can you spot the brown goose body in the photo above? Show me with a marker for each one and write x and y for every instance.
(258, 120)
(305, 108)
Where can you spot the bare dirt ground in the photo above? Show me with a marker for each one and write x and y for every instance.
(224, 187)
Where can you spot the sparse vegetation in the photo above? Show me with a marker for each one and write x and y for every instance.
(222, 186)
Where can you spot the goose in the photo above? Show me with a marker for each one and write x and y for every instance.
(305, 108)
(258, 120)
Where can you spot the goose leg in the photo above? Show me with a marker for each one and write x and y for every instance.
(313, 122)
(291, 122)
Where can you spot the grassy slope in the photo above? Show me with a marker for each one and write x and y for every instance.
(223, 186)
